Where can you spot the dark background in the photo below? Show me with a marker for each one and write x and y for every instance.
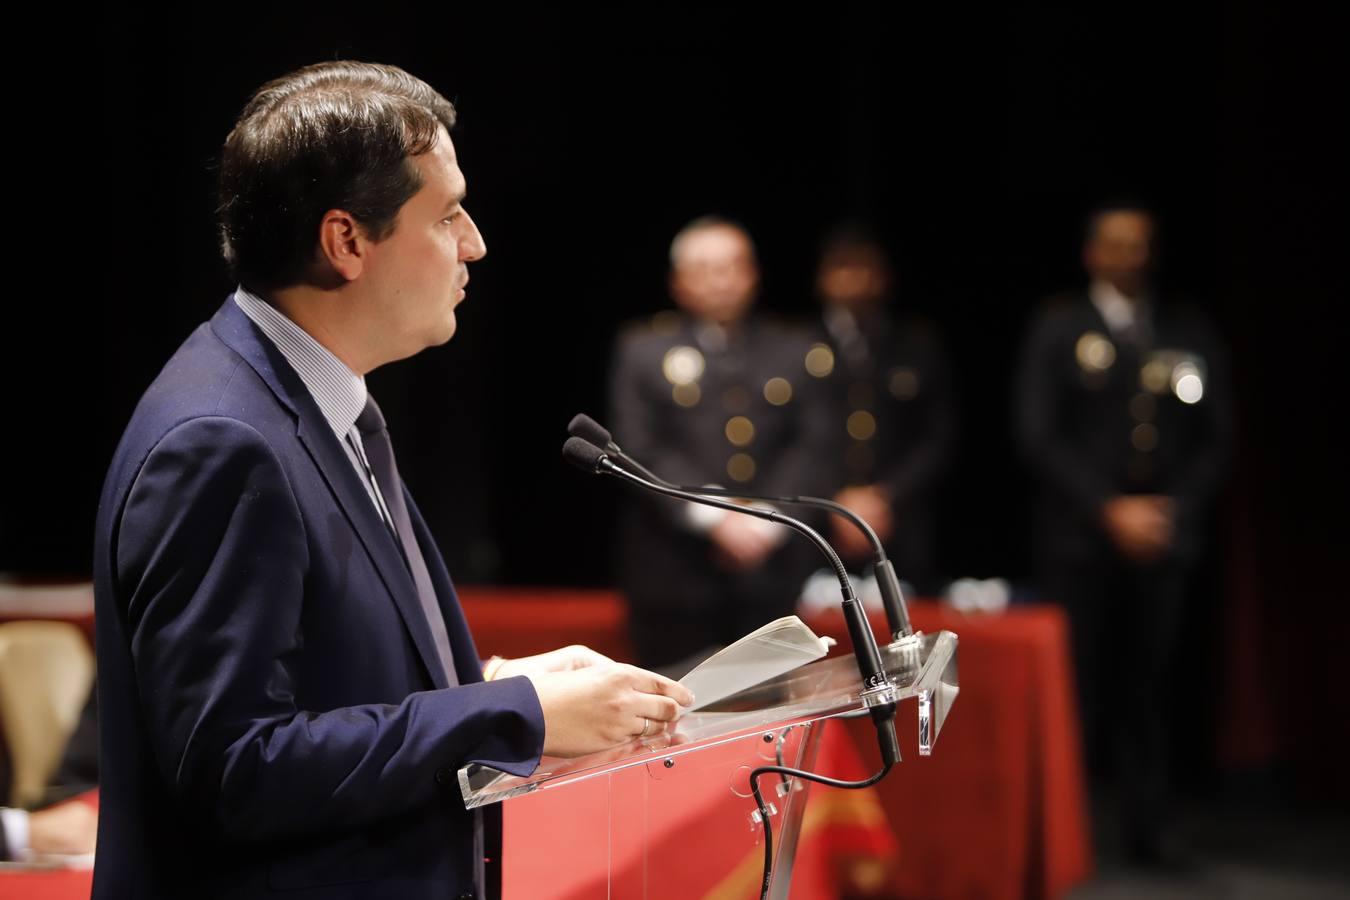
(975, 143)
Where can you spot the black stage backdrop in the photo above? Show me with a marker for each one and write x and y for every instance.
(973, 143)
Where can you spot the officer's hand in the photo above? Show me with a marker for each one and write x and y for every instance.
(598, 707)
(1141, 526)
(741, 542)
(564, 659)
(871, 503)
(68, 829)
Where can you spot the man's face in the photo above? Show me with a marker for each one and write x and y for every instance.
(1118, 251)
(418, 273)
(855, 278)
(715, 275)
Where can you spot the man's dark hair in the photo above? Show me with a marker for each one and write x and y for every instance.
(851, 237)
(1095, 215)
(336, 135)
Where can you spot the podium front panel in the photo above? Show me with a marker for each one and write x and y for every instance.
(673, 827)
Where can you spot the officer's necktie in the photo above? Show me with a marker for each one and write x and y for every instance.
(380, 455)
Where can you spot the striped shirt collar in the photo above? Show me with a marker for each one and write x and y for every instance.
(340, 392)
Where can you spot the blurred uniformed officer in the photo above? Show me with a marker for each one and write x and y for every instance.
(892, 417)
(713, 394)
(1122, 409)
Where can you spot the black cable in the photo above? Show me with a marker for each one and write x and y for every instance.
(764, 809)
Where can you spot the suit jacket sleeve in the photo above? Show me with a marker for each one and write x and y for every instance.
(211, 559)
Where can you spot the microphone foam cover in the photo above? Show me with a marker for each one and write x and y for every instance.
(583, 454)
(583, 426)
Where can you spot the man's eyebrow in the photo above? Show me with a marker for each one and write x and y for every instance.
(456, 199)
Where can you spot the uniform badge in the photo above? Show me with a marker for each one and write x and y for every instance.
(682, 365)
(819, 360)
(740, 431)
(1095, 352)
(778, 391)
(1179, 371)
(903, 383)
(861, 425)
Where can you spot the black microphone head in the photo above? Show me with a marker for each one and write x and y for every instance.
(583, 426)
(583, 454)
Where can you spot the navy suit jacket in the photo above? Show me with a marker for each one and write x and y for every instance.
(273, 715)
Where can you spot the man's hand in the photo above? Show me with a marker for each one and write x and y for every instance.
(601, 706)
(869, 502)
(564, 659)
(741, 543)
(68, 829)
(1142, 526)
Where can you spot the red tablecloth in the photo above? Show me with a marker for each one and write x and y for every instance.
(999, 810)
(63, 884)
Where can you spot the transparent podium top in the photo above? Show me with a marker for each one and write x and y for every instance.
(925, 669)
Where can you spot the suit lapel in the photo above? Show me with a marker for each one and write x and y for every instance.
(1093, 316)
(314, 433)
(1128, 353)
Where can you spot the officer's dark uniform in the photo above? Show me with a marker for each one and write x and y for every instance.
(701, 405)
(1102, 414)
(892, 421)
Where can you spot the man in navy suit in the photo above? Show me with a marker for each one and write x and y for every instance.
(286, 679)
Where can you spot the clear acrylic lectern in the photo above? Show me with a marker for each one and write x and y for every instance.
(655, 807)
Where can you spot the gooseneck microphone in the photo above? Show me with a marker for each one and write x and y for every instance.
(892, 598)
(877, 690)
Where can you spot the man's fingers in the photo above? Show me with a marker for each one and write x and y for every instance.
(658, 709)
(674, 690)
(652, 683)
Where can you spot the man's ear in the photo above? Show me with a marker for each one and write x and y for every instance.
(344, 247)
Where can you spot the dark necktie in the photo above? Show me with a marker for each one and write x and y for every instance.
(380, 455)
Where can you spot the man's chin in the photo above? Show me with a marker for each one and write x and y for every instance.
(429, 339)
(448, 330)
